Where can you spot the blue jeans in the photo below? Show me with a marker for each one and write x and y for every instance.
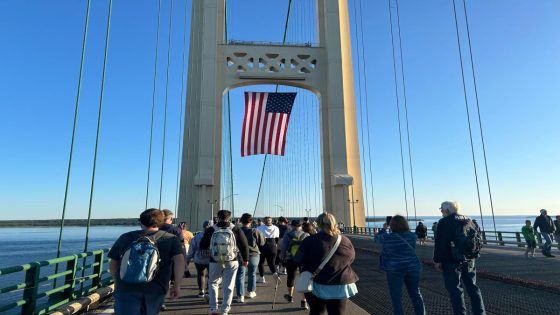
(251, 270)
(412, 282)
(137, 303)
(452, 276)
(547, 246)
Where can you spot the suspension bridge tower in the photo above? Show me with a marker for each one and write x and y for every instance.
(216, 66)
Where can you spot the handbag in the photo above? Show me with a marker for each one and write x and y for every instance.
(304, 284)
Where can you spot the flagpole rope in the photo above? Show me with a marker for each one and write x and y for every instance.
(153, 105)
(467, 112)
(398, 107)
(478, 112)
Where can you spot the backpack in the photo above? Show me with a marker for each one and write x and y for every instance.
(140, 261)
(468, 239)
(294, 244)
(223, 247)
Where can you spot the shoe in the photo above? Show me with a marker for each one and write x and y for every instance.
(289, 298)
(261, 280)
(550, 256)
(163, 307)
(201, 294)
(283, 272)
(214, 312)
(251, 295)
(240, 299)
(304, 305)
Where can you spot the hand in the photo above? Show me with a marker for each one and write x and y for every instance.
(438, 267)
(245, 263)
(174, 292)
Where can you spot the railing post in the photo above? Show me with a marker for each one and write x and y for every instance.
(518, 237)
(484, 237)
(97, 270)
(31, 286)
(500, 239)
(70, 278)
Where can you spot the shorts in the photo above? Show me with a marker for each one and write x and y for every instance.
(531, 244)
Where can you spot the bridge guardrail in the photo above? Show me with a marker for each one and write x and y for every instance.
(499, 238)
(40, 292)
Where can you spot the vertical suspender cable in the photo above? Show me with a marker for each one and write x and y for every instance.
(398, 107)
(367, 111)
(361, 106)
(406, 112)
(467, 112)
(166, 98)
(153, 106)
(266, 155)
(229, 127)
(478, 111)
(71, 154)
(181, 106)
(98, 122)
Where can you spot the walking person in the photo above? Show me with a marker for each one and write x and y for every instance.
(288, 249)
(224, 242)
(529, 235)
(421, 233)
(187, 237)
(283, 229)
(455, 234)
(135, 291)
(254, 240)
(201, 260)
(336, 282)
(399, 261)
(269, 250)
(545, 225)
(557, 230)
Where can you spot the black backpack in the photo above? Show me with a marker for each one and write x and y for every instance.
(468, 239)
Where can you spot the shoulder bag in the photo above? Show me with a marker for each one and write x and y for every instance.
(304, 284)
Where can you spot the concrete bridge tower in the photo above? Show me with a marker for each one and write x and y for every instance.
(216, 66)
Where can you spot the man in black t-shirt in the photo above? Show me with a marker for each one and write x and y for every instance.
(147, 298)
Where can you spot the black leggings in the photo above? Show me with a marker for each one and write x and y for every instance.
(291, 270)
(317, 306)
(268, 252)
(201, 276)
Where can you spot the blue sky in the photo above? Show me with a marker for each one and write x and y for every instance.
(515, 46)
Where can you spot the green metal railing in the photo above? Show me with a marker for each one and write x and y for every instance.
(489, 237)
(40, 292)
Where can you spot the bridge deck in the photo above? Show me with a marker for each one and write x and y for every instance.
(502, 276)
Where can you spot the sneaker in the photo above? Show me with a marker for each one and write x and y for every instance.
(214, 312)
(550, 256)
(251, 295)
(239, 299)
(304, 304)
(289, 298)
(261, 280)
(201, 294)
(163, 307)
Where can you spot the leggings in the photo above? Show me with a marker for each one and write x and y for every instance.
(291, 270)
(268, 252)
(317, 306)
(201, 277)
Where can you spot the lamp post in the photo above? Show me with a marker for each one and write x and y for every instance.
(226, 197)
(281, 208)
(308, 211)
(212, 203)
(353, 202)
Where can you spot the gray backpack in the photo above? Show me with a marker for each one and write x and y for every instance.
(223, 247)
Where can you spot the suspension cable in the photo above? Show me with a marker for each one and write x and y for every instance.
(266, 155)
(398, 107)
(478, 112)
(153, 106)
(467, 112)
(229, 127)
(356, 33)
(367, 111)
(406, 111)
(74, 124)
(105, 54)
(181, 106)
(166, 98)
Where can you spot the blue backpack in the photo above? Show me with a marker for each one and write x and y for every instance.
(140, 261)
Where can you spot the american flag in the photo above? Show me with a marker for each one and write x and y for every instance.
(266, 122)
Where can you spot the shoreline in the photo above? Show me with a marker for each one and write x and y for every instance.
(68, 223)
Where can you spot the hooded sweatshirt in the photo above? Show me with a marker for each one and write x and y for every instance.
(269, 231)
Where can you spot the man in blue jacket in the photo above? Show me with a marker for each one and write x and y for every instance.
(454, 268)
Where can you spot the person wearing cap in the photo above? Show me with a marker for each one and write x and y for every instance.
(288, 249)
(545, 225)
(201, 260)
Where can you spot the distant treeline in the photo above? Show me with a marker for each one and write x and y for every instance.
(68, 222)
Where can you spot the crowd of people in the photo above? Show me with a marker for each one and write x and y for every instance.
(233, 253)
